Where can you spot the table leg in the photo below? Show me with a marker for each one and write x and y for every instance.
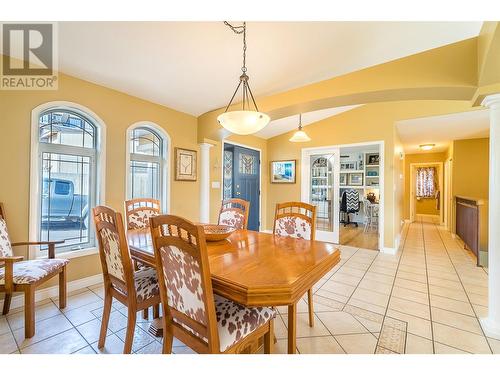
(292, 328)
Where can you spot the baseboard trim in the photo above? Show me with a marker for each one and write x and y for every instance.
(53, 291)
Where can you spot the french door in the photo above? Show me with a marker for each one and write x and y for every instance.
(320, 187)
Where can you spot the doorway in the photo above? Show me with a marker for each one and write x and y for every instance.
(354, 171)
(241, 178)
(423, 204)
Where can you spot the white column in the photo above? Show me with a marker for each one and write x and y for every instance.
(491, 324)
(205, 182)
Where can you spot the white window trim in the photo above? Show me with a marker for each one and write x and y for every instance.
(167, 158)
(34, 205)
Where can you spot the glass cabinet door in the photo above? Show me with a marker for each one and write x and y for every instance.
(321, 190)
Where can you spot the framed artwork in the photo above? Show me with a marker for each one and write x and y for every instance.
(373, 159)
(355, 179)
(343, 179)
(185, 164)
(283, 172)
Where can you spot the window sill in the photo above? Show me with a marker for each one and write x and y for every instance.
(76, 253)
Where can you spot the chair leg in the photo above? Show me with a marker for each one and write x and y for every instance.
(311, 307)
(62, 288)
(29, 312)
(145, 314)
(269, 339)
(129, 337)
(6, 303)
(156, 311)
(108, 300)
(168, 338)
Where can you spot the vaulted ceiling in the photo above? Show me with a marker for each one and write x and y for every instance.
(194, 66)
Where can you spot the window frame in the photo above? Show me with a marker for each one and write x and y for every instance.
(97, 177)
(164, 159)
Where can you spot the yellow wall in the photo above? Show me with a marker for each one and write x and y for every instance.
(371, 122)
(118, 111)
(423, 206)
(471, 168)
(427, 206)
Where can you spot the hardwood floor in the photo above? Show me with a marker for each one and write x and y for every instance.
(355, 237)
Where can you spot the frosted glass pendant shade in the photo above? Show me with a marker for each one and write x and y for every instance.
(243, 122)
(300, 136)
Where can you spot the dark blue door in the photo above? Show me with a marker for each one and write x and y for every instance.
(246, 181)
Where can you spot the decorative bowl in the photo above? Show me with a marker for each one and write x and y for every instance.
(217, 232)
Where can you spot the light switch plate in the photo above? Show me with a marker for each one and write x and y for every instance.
(215, 184)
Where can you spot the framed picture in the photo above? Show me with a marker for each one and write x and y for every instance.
(373, 159)
(352, 165)
(343, 179)
(283, 172)
(355, 179)
(185, 164)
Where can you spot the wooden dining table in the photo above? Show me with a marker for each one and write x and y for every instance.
(257, 269)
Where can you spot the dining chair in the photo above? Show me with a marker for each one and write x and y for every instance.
(138, 290)
(26, 276)
(204, 321)
(297, 220)
(234, 212)
(139, 210)
(137, 213)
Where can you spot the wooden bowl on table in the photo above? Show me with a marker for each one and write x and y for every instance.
(217, 232)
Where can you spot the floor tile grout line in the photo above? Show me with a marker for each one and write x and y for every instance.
(337, 269)
(402, 247)
(460, 279)
(70, 322)
(330, 332)
(362, 277)
(428, 288)
(12, 334)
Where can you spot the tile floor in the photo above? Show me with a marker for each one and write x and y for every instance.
(425, 299)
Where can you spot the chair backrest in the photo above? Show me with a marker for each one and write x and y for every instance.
(295, 219)
(350, 201)
(113, 249)
(234, 212)
(139, 210)
(184, 279)
(5, 246)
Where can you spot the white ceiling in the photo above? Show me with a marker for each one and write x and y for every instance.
(194, 66)
(286, 124)
(442, 130)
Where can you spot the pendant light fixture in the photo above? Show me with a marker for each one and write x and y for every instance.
(300, 135)
(248, 120)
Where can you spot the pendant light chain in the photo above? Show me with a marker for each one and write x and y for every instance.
(247, 94)
(241, 30)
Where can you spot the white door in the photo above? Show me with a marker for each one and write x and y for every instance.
(320, 187)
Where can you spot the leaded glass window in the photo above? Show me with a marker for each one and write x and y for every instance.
(146, 163)
(228, 174)
(67, 154)
(247, 164)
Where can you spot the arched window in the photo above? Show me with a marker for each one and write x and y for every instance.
(67, 158)
(147, 163)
